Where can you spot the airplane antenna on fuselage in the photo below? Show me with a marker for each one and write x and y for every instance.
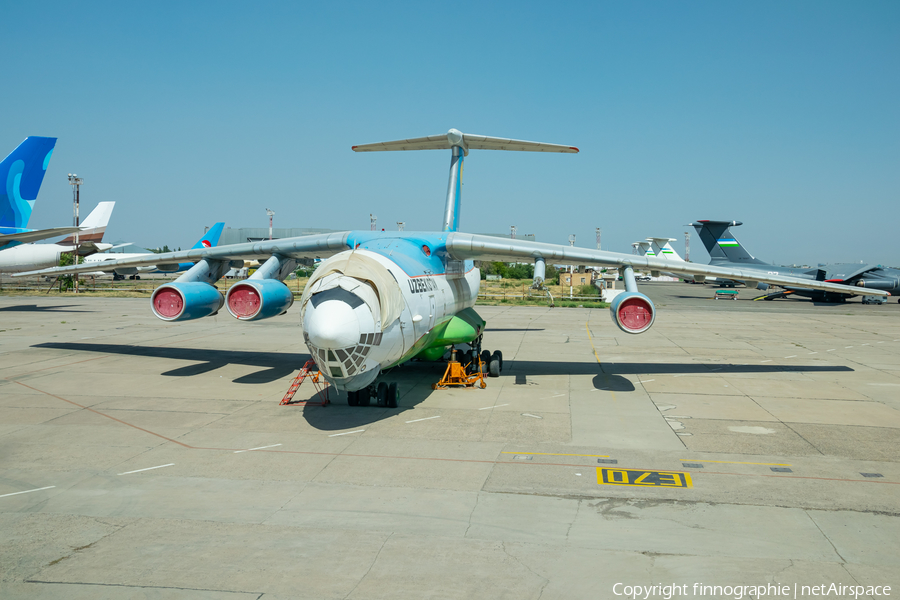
(459, 144)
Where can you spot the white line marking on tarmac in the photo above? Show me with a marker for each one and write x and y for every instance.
(425, 419)
(252, 449)
(762, 361)
(832, 350)
(556, 396)
(813, 352)
(28, 491)
(647, 380)
(147, 469)
(346, 433)
(880, 342)
(791, 356)
(495, 406)
(531, 415)
(891, 384)
(864, 344)
(848, 346)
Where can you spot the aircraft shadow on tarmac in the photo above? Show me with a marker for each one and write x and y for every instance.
(414, 379)
(276, 364)
(61, 308)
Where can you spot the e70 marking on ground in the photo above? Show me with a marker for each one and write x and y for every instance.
(643, 478)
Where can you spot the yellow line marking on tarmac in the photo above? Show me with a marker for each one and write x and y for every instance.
(554, 454)
(732, 462)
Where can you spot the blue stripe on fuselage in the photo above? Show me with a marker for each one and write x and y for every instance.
(406, 249)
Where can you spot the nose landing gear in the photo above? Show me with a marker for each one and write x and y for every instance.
(384, 394)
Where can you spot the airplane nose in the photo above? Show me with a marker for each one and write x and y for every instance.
(333, 325)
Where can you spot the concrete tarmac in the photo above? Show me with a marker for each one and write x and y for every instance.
(735, 443)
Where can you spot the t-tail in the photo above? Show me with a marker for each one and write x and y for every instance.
(721, 243)
(21, 174)
(643, 249)
(459, 144)
(662, 247)
(210, 238)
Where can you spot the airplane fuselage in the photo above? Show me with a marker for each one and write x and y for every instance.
(417, 303)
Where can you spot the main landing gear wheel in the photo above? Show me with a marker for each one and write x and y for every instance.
(393, 395)
(353, 398)
(496, 364)
(485, 361)
(382, 393)
(363, 397)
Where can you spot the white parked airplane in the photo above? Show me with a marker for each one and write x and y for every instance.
(383, 298)
(105, 263)
(28, 257)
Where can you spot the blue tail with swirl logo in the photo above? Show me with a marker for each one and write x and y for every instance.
(21, 174)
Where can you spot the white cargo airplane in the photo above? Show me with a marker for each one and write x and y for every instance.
(28, 257)
(383, 298)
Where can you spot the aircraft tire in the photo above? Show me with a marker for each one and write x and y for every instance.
(500, 357)
(353, 398)
(363, 397)
(485, 361)
(393, 395)
(494, 369)
(382, 393)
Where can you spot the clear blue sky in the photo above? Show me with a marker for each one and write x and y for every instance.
(784, 115)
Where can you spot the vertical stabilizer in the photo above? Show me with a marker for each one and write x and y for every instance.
(644, 249)
(94, 225)
(210, 238)
(721, 243)
(663, 248)
(21, 174)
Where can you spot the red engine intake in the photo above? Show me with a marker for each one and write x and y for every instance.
(256, 299)
(633, 312)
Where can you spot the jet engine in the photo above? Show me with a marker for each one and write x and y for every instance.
(186, 300)
(633, 312)
(256, 299)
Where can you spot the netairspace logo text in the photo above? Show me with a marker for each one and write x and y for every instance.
(667, 592)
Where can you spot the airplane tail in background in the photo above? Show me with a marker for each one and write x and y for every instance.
(644, 248)
(721, 243)
(94, 225)
(21, 174)
(662, 247)
(211, 238)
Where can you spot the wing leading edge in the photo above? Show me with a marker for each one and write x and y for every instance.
(468, 246)
(307, 246)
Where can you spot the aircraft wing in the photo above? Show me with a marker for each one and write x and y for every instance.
(467, 246)
(306, 246)
(861, 271)
(25, 237)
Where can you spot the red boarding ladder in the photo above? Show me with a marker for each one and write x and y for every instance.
(320, 384)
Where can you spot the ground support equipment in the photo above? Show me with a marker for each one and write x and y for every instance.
(458, 375)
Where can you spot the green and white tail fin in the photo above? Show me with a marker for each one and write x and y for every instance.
(662, 247)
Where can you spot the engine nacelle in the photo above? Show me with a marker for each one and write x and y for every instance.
(256, 299)
(186, 300)
(633, 312)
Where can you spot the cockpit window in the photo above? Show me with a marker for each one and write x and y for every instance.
(336, 293)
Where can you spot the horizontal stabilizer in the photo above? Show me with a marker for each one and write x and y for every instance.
(467, 141)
